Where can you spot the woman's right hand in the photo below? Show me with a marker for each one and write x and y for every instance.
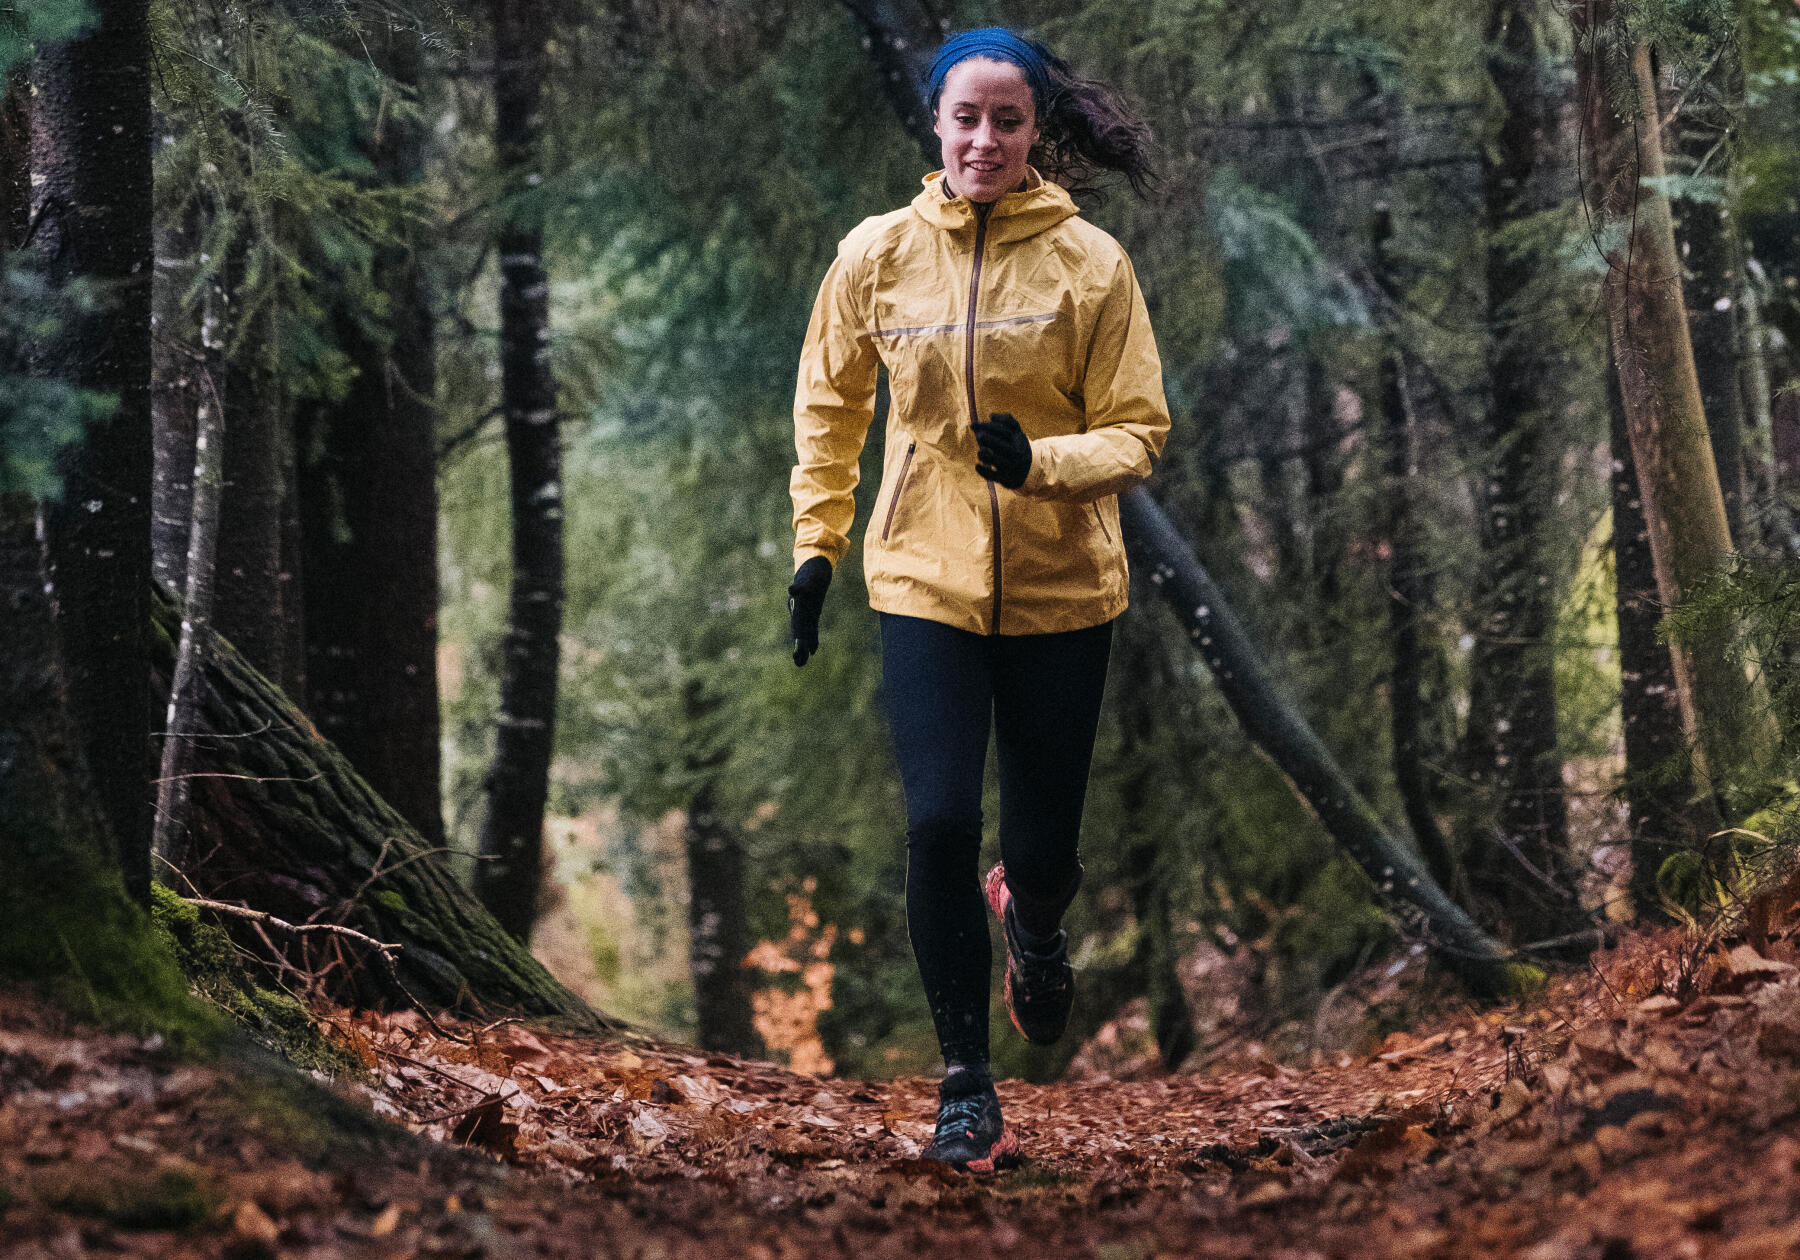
(805, 598)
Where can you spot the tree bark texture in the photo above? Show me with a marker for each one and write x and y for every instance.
(281, 821)
(92, 202)
(15, 157)
(180, 723)
(1678, 483)
(718, 929)
(1659, 792)
(1520, 864)
(1707, 242)
(368, 511)
(1279, 731)
(518, 781)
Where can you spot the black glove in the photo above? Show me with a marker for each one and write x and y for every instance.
(1005, 451)
(805, 598)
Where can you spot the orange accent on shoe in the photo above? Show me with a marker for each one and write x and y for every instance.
(999, 896)
(1005, 1149)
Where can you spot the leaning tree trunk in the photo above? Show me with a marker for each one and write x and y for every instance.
(92, 204)
(369, 505)
(282, 822)
(1664, 813)
(1283, 735)
(1520, 864)
(1679, 485)
(518, 781)
(1706, 240)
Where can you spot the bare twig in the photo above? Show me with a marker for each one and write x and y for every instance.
(282, 925)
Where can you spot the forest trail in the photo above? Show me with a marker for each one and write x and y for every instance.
(1649, 1107)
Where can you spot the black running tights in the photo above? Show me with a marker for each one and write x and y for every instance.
(1041, 694)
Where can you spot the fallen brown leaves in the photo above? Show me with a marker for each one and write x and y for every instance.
(1648, 1108)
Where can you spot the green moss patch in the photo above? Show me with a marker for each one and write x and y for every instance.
(205, 954)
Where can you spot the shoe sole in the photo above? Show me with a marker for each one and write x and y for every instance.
(998, 895)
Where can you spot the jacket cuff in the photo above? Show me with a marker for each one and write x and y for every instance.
(1037, 477)
(803, 554)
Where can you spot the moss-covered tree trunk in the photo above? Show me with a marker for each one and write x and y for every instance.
(1679, 484)
(282, 822)
(1706, 237)
(1664, 812)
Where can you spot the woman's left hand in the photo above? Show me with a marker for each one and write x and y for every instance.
(1004, 453)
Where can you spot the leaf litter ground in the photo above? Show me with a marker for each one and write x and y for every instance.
(1647, 1108)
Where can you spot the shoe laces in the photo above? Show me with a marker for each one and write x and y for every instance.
(959, 1116)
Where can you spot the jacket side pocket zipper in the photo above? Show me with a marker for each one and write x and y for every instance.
(887, 526)
(1100, 516)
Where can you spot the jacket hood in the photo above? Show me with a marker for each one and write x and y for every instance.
(1040, 205)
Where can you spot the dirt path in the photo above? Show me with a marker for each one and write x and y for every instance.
(1647, 1109)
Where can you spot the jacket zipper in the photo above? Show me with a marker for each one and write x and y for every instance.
(1101, 518)
(981, 222)
(905, 467)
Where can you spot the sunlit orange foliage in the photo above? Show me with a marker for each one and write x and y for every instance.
(787, 1018)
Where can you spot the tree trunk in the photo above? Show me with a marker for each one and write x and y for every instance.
(15, 157)
(518, 781)
(1283, 735)
(368, 510)
(281, 821)
(901, 36)
(1678, 483)
(1664, 813)
(92, 202)
(1707, 241)
(1519, 864)
(718, 929)
(169, 835)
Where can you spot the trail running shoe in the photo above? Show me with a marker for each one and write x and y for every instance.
(971, 1135)
(1040, 988)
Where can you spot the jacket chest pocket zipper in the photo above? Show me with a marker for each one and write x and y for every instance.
(887, 526)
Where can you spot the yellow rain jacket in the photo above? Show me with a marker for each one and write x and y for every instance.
(1031, 311)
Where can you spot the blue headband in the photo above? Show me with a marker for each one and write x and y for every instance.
(998, 44)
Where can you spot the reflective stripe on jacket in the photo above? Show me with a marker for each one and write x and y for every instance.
(1034, 312)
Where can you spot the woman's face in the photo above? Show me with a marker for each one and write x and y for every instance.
(987, 122)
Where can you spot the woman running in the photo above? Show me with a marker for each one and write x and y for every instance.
(1026, 395)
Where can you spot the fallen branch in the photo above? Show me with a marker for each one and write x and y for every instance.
(282, 925)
